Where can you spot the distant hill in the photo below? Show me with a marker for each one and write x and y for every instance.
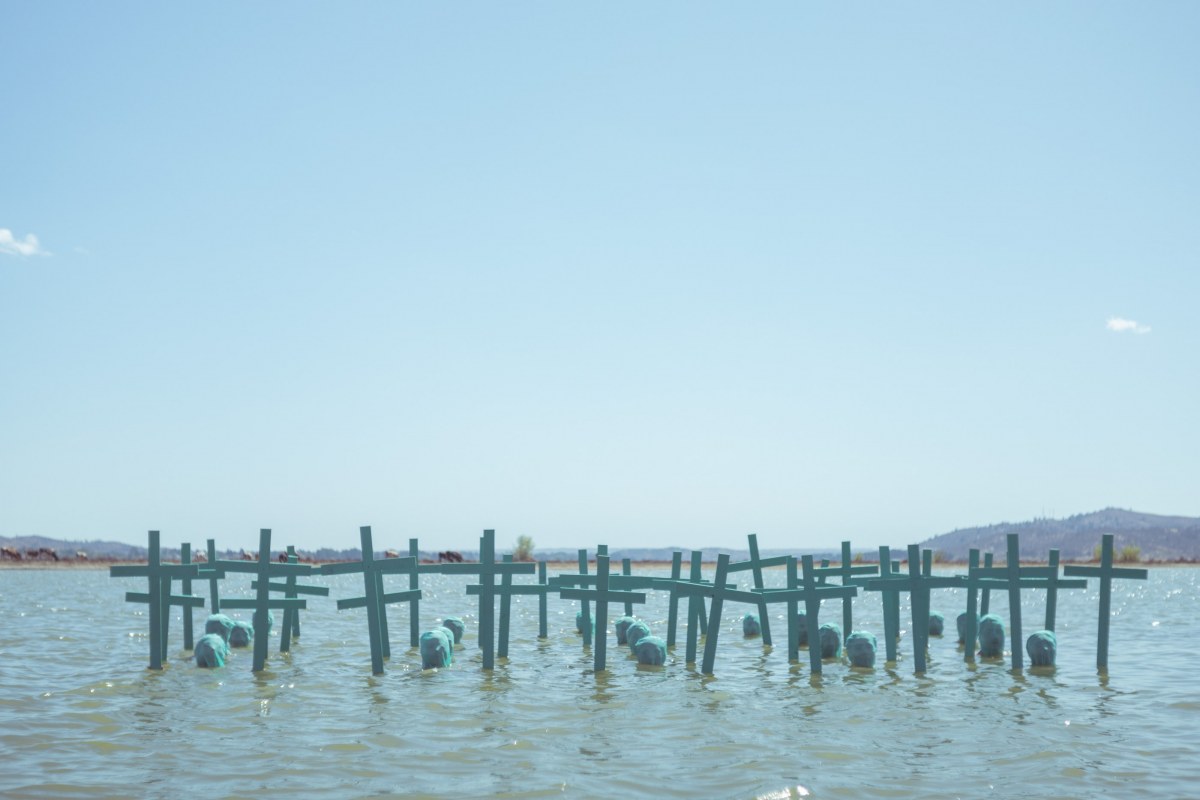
(1160, 538)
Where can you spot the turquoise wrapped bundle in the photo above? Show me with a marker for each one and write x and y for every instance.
(211, 651)
(579, 622)
(635, 632)
(651, 650)
(1042, 648)
(831, 640)
(962, 627)
(242, 634)
(991, 636)
(455, 626)
(621, 626)
(751, 626)
(937, 623)
(219, 624)
(860, 649)
(437, 648)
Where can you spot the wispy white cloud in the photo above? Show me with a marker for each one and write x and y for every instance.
(1120, 325)
(12, 246)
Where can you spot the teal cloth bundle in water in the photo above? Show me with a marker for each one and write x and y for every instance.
(751, 626)
(991, 636)
(622, 626)
(937, 623)
(579, 622)
(456, 626)
(962, 627)
(437, 648)
(242, 634)
(651, 650)
(831, 640)
(635, 632)
(1042, 648)
(220, 625)
(860, 649)
(802, 630)
(211, 651)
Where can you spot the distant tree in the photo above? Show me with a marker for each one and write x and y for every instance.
(858, 558)
(1130, 553)
(524, 549)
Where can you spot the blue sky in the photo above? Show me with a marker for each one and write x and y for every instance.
(657, 274)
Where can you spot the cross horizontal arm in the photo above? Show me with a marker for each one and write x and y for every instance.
(186, 600)
(1100, 572)
(322, 591)
(778, 595)
(773, 561)
(274, 568)
(274, 602)
(593, 594)
(161, 570)
(516, 588)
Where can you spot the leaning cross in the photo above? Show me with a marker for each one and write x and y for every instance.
(1106, 572)
(158, 593)
(374, 598)
(755, 564)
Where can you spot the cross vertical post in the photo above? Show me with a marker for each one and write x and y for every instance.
(985, 596)
(414, 617)
(673, 601)
(543, 632)
(603, 594)
(1105, 572)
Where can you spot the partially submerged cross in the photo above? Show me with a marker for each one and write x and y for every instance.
(1014, 577)
(848, 575)
(487, 590)
(918, 583)
(158, 593)
(755, 565)
(697, 618)
(602, 594)
(374, 598)
(264, 569)
(290, 628)
(1106, 572)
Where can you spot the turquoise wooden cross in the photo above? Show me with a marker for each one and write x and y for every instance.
(919, 582)
(1015, 577)
(487, 590)
(264, 569)
(543, 631)
(1106, 572)
(158, 592)
(812, 592)
(755, 565)
(290, 629)
(185, 600)
(374, 598)
(673, 599)
(185, 588)
(602, 594)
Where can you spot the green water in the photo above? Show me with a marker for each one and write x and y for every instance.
(80, 716)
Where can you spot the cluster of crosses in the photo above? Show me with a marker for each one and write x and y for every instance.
(807, 585)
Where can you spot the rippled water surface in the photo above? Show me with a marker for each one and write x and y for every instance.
(81, 716)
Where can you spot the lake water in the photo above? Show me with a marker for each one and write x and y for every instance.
(82, 717)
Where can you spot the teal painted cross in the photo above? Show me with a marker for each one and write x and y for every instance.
(374, 598)
(811, 591)
(918, 584)
(985, 596)
(755, 565)
(602, 594)
(185, 588)
(673, 600)
(891, 603)
(1015, 577)
(848, 575)
(487, 590)
(290, 629)
(264, 569)
(158, 595)
(1106, 572)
